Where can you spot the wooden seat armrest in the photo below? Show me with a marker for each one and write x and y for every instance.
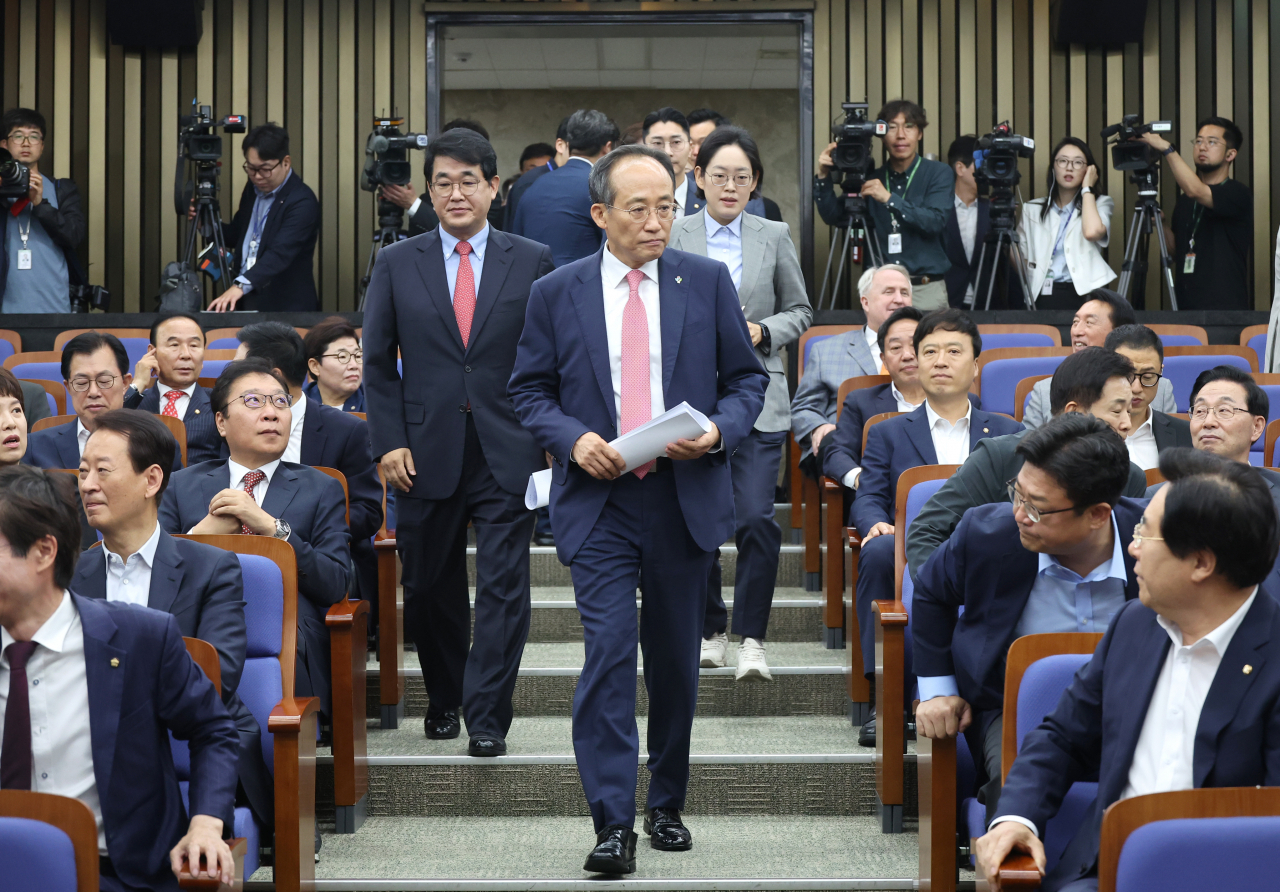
(892, 613)
(344, 613)
(293, 724)
(212, 884)
(854, 537)
(1019, 871)
(831, 485)
(384, 543)
(291, 713)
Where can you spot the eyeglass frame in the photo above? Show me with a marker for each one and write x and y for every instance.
(1029, 508)
(675, 142)
(25, 139)
(357, 355)
(1211, 142)
(261, 170)
(88, 382)
(1136, 377)
(1232, 410)
(647, 211)
(1139, 538)
(242, 398)
(435, 184)
(1076, 163)
(711, 178)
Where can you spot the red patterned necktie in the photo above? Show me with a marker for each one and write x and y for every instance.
(637, 396)
(15, 750)
(464, 293)
(252, 479)
(171, 407)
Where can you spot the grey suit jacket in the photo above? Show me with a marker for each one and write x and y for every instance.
(772, 294)
(1037, 412)
(830, 363)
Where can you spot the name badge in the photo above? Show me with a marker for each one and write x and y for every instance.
(1046, 290)
(1189, 264)
(895, 243)
(24, 258)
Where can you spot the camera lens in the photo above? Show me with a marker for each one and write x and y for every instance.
(10, 172)
(396, 173)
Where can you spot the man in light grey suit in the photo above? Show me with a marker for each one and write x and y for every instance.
(765, 269)
(1104, 311)
(831, 361)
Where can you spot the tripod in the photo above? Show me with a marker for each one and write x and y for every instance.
(1001, 237)
(208, 221)
(390, 219)
(1147, 217)
(856, 227)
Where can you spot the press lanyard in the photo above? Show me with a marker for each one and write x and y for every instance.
(24, 234)
(257, 221)
(1062, 233)
(911, 176)
(1196, 214)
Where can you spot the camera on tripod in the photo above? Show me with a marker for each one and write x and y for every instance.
(852, 154)
(15, 177)
(1128, 152)
(387, 154)
(995, 163)
(197, 139)
(200, 146)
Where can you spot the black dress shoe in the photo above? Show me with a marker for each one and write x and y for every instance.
(666, 831)
(487, 746)
(615, 851)
(444, 726)
(867, 733)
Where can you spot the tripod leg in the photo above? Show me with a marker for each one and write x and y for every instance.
(970, 304)
(1020, 262)
(1131, 248)
(844, 255)
(840, 239)
(1165, 265)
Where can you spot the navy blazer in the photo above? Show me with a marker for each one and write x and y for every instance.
(904, 442)
(964, 272)
(142, 686)
(354, 403)
(409, 310)
(985, 569)
(281, 276)
(844, 449)
(556, 211)
(1093, 732)
(56, 447)
(517, 190)
(204, 443)
(562, 387)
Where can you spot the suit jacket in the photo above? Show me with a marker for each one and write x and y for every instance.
(518, 188)
(830, 362)
(354, 403)
(56, 447)
(204, 443)
(985, 569)
(1037, 411)
(904, 442)
(281, 275)
(35, 404)
(772, 294)
(979, 481)
(1093, 732)
(844, 452)
(964, 272)
(556, 212)
(562, 387)
(426, 411)
(153, 689)
(1170, 432)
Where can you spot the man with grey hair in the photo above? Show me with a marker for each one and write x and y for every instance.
(611, 342)
(830, 361)
(556, 210)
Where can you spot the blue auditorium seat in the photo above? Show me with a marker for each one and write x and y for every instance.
(1194, 854)
(36, 856)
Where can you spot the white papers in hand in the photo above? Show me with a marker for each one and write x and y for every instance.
(538, 493)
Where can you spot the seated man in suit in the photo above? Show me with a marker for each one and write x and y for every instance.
(942, 431)
(1184, 690)
(853, 354)
(1054, 561)
(123, 476)
(1094, 382)
(1101, 314)
(142, 686)
(173, 363)
(255, 493)
(1150, 432)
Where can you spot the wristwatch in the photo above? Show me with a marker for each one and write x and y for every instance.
(1169, 151)
(282, 529)
(1085, 190)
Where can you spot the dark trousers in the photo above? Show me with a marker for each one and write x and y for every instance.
(755, 479)
(984, 737)
(312, 675)
(1064, 297)
(640, 540)
(875, 583)
(431, 535)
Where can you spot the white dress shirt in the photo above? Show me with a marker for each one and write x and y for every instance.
(181, 403)
(851, 479)
(82, 437)
(872, 337)
(724, 243)
(58, 699)
(613, 276)
(237, 473)
(1142, 444)
(682, 194)
(950, 441)
(130, 580)
(479, 242)
(967, 220)
(293, 452)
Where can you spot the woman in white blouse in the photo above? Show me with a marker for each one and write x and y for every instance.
(1062, 236)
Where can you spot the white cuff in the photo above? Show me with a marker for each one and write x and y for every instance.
(850, 480)
(413, 208)
(937, 686)
(245, 285)
(1017, 820)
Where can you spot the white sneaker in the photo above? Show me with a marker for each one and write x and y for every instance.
(713, 651)
(751, 662)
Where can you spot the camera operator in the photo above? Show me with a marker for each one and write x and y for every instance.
(422, 216)
(912, 198)
(1212, 221)
(273, 232)
(41, 230)
(1062, 236)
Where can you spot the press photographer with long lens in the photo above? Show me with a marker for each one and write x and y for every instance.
(41, 223)
(1212, 221)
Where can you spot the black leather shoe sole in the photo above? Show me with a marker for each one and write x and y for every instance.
(867, 733)
(609, 864)
(486, 746)
(444, 728)
(672, 840)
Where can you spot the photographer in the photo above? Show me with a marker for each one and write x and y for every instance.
(1212, 221)
(273, 233)
(422, 216)
(909, 197)
(1062, 236)
(41, 230)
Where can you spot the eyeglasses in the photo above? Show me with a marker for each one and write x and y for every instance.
(1070, 163)
(444, 188)
(1148, 379)
(105, 382)
(675, 143)
(25, 139)
(257, 401)
(1222, 413)
(345, 356)
(1207, 142)
(260, 170)
(1020, 501)
(1139, 538)
(742, 179)
(641, 214)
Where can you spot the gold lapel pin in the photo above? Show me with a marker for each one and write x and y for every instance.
(115, 663)
(985, 431)
(1247, 669)
(197, 411)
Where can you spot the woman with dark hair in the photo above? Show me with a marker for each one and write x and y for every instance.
(335, 365)
(1062, 236)
(766, 271)
(13, 422)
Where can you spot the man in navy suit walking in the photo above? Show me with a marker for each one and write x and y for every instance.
(609, 343)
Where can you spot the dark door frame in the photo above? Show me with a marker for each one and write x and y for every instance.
(803, 18)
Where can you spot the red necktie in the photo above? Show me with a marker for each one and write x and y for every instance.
(15, 750)
(171, 407)
(464, 293)
(637, 395)
(252, 479)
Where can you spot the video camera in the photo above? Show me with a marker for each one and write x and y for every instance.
(852, 154)
(1128, 153)
(387, 154)
(995, 163)
(15, 177)
(201, 145)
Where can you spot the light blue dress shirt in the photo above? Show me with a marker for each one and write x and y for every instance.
(1060, 601)
(479, 242)
(257, 222)
(1058, 271)
(724, 243)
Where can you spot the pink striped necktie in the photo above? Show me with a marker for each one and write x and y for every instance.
(464, 293)
(637, 396)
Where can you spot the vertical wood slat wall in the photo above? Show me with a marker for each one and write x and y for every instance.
(324, 68)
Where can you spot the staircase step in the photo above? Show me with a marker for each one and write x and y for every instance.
(545, 568)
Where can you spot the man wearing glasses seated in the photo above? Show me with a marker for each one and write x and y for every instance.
(95, 370)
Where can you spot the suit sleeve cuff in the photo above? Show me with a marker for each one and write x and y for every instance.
(1017, 820)
(245, 285)
(937, 686)
(413, 208)
(850, 480)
